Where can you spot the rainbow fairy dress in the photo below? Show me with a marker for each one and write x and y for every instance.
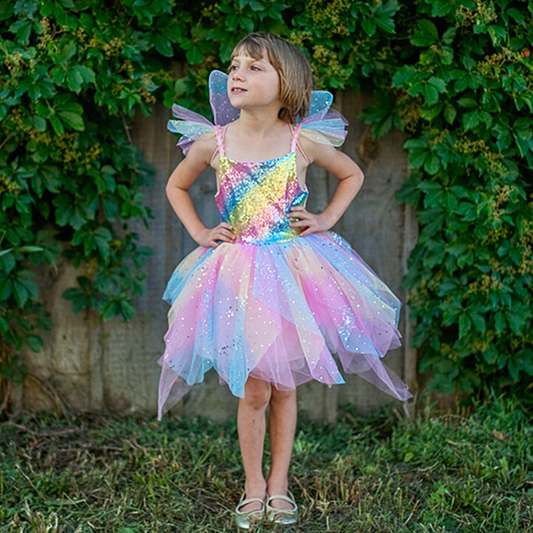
(273, 305)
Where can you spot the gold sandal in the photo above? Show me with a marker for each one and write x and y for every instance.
(243, 519)
(282, 516)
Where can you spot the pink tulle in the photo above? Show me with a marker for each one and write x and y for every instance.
(277, 313)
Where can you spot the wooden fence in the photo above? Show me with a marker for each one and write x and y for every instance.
(90, 365)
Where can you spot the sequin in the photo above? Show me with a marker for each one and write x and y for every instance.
(256, 198)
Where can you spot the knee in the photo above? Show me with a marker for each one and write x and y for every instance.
(283, 396)
(257, 394)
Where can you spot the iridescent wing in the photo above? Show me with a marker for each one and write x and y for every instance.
(192, 126)
(323, 124)
(223, 111)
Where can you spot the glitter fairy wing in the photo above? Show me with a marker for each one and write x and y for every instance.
(193, 126)
(323, 124)
(223, 111)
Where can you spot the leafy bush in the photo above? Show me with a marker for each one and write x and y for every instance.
(456, 76)
(464, 91)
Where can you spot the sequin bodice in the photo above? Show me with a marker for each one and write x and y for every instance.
(256, 197)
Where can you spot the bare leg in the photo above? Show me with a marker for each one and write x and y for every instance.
(251, 428)
(282, 425)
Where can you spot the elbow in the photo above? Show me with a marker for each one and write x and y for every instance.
(171, 189)
(358, 179)
(168, 190)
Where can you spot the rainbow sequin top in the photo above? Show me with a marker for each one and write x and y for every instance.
(256, 197)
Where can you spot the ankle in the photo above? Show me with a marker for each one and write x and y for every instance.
(255, 488)
(277, 486)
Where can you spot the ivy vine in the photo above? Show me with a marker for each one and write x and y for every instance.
(456, 75)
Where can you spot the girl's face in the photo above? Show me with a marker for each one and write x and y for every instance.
(253, 83)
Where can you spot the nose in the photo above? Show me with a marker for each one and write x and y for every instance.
(237, 74)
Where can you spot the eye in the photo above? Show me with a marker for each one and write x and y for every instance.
(255, 68)
(232, 67)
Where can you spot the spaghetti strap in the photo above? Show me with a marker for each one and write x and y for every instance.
(220, 142)
(223, 137)
(296, 143)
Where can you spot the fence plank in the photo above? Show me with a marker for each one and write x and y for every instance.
(112, 366)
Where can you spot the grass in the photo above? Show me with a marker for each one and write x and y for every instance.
(431, 473)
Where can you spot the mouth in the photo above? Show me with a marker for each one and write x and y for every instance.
(237, 90)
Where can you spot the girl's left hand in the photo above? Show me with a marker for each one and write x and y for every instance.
(312, 223)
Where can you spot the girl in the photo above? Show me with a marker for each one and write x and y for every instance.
(270, 293)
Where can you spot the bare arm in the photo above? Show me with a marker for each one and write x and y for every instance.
(177, 188)
(350, 178)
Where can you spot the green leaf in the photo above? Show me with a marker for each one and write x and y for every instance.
(491, 355)
(34, 342)
(438, 83)
(369, 25)
(72, 119)
(430, 93)
(74, 80)
(403, 76)
(432, 164)
(433, 193)
(500, 322)
(471, 120)
(127, 310)
(180, 87)
(417, 158)
(449, 35)
(450, 113)
(57, 125)
(440, 8)
(426, 34)
(86, 74)
(40, 123)
(24, 287)
(163, 45)
(111, 309)
(68, 51)
(478, 321)
(516, 321)
(194, 55)
(464, 325)
(22, 29)
(497, 34)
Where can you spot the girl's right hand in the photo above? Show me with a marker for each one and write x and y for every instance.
(209, 236)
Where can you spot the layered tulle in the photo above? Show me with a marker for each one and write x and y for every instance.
(278, 312)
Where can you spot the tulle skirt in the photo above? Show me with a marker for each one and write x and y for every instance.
(278, 312)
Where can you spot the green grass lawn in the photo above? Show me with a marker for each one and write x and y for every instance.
(431, 473)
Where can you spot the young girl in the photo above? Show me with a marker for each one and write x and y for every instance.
(270, 293)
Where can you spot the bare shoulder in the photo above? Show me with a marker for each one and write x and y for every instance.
(316, 151)
(203, 149)
(332, 159)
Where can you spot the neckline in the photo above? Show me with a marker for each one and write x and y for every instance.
(222, 149)
(258, 162)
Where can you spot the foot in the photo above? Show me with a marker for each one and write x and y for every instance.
(281, 508)
(277, 489)
(253, 490)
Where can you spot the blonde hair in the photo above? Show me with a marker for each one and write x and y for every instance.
(293, 68)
